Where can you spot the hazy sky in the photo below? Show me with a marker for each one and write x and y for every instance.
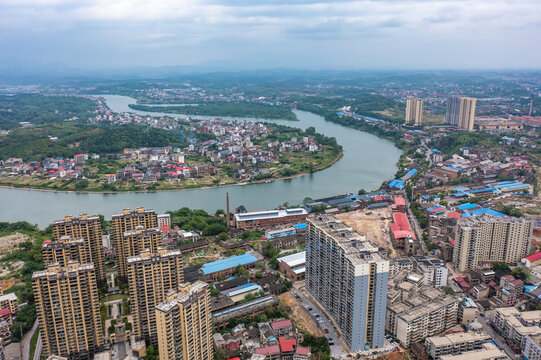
(300, 34)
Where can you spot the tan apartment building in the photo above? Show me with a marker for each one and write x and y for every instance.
(63, 250)
(454, 344)
(415, 314)
(88, 228)
(516, 326)
(414, 111)
(488, 238)
(133, 242)
(466, 114)
(150, 277)
(487, 351)
(129, 220)
(184, 323)
(68, 310)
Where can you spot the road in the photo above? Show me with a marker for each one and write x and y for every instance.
(39, 345)
(485, 321)
(323, 322)
(25, 343)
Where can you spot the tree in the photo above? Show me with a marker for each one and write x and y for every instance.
(447, 290)
(306, 200)
(361, 192)
(152, 353)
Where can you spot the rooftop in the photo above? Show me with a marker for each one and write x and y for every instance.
(294, 260)
(451, 339)
(358, 250)
(228, 263)
(260, 215)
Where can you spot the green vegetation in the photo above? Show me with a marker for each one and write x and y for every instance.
(226, 109)
(198, 220)
(29, 253)
(39, 109)
(447, 290)
(33, 343)
(319, 346)
(34, 144)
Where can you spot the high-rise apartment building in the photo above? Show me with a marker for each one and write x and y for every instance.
(63, 250)
(491, 239)
(453, 109)
(348, 276)
(461, 111)
(150, 277)
(184, 323)
(129, 220)
(88, 228)
(414, 111)
(466, 115)
(134, 242)
(68, 310)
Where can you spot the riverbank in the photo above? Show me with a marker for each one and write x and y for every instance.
(190, 187)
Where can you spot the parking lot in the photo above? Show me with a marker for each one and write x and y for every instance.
(323, 322)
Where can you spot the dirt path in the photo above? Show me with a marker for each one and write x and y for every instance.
(299, 315)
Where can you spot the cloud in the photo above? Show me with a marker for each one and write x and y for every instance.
(202, 29)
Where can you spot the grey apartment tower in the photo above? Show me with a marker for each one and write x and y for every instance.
(348, 276)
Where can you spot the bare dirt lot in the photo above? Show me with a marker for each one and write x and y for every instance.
(298, 314)
(374, 224)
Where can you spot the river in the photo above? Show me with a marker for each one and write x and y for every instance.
(367, 162)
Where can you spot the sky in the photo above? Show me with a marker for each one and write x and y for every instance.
(296, 34)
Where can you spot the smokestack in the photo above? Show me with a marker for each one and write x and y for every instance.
(227, 205)
(531, 106)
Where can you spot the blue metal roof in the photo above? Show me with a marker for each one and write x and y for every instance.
(411, 172)
(483, 211)
(467, 206)
(224, 264)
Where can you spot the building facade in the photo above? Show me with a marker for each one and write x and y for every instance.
(466, 115)
(488, 238)
(129, 220)
(134, 242)
(414, 111)
(348, 276)
(184, 323)
(453, 109)
(454, 344)
(63, 250)
(88, 228)
(150, 277)
(68, 310)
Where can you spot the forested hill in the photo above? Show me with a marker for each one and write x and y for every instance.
(35, 144)
(40, 109)
(256, 110)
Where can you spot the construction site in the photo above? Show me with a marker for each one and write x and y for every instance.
(374, 224)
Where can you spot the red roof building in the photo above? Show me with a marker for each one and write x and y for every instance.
(287, 345)
(454, 215)
(268, 350)
(532, 260)
(401, 228)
